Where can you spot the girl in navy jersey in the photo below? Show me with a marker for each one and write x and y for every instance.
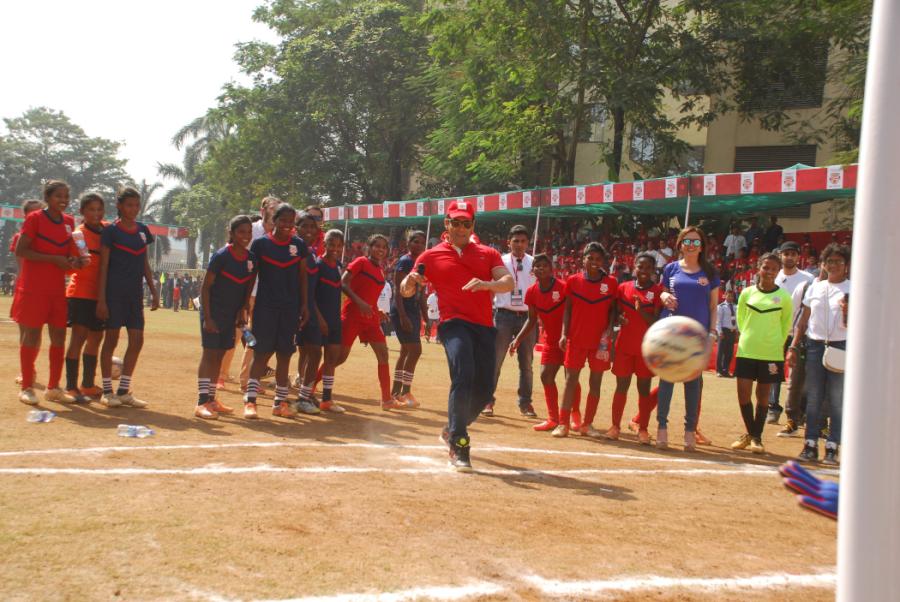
(47, 251)
(328, 304)
(309, 339)
(280, 310)
(224, 302)
(406, 316)
(120, 295)
(691, 288)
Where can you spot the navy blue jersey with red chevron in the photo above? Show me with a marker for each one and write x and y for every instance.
(127, 252)
(279, 272)
(328, 289)
(234, 271)
(312, 282)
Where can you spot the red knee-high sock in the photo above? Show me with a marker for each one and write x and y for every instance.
(27, 357)
(551, 396)
(57, 361)
(645, 408)
(618, 408)
(590, 409)
(384, 379)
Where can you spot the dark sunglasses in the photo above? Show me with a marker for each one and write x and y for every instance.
(458, 223)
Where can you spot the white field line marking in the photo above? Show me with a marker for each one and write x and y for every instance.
(463, 592)
(550, 587)
(321, 444)
(218, 469)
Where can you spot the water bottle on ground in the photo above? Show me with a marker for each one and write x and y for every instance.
(248, 337)
(134, 431)
(78, 237)
(40, 416)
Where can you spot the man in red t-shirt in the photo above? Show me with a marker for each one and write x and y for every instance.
(586, 333)
(639, 305)
(464, 275)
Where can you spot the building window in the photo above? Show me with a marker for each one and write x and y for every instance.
(642, 146)
(593, 127)
(761, 158)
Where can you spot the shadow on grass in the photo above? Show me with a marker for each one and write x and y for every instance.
(535, 479)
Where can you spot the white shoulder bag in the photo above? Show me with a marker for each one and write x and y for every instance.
(833, 359)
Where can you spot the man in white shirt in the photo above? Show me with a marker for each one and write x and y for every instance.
(726, 327)
(510, 314)
(733, 242)
(789, 278)
(434, 316)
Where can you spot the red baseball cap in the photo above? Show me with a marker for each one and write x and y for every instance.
(463, 209)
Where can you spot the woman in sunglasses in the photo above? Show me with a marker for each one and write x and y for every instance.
(691, 288)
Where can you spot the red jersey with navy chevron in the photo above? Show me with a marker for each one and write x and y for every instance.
(328, 290)
(52, 238)
(550, 306)
(127, 252)
(630, 297)
(278, 271)
(234, 270)
(367, 282)
(591, 300)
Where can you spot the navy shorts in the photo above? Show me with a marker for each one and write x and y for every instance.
(274, 329)
(125, 313)
(312, 334)
(83, 312)
(224, 339)
(415, 320)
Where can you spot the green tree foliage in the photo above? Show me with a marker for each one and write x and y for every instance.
(335, 112)
(44, 144)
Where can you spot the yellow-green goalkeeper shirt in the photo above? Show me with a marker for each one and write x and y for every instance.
(764, 321)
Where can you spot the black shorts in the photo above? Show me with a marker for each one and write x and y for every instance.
(224, 339)
(83, 312)
(762, 371)
(275, 329)
(312, 334)
(128, 313)
(406, 337)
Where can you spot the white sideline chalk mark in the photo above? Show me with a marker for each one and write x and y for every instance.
(219, 469)
(323, 444)
(551, 587)
(463, 592)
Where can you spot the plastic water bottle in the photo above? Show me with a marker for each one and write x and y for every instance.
(40, 416)
(134, 431)
(248, 337)
(78, 237)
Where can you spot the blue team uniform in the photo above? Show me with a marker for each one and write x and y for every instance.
(328, 300)
(310, 335)
(277, 309)
(410, 305)
(124, 278)
(234, 277)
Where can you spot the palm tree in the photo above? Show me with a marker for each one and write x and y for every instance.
(146, 191)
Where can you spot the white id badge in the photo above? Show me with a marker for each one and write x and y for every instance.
(515, 298)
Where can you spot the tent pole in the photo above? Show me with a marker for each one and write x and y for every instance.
(428, 232)
(346, 234)
(687, 210)
(537, 225)
(868, 529)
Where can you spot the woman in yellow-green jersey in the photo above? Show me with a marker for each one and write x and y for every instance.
(764, 320)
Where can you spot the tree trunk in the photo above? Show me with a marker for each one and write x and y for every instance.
(614, 158)
(568, 176)
(192, 252)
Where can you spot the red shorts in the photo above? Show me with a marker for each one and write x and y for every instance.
(368, 332)
(576, 356)
(626, 364)
(35, 310)
(552, 355)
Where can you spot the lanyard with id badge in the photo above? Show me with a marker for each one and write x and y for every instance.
(517, 296)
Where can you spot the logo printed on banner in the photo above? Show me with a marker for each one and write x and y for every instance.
(502, 201)
(355, 212)
(402, 209)
(420, 209)
(441, 207)
(788, 180)
(340, 213)
(173, 232)
(709, 184)
(526, 199)
(607, 193)
(479, 203)
(554, 197)
(385, 211)
(671, 188)
(580, 196)
(835, 179)
(370, 210)
(637, 191)
(7, 212)
(747, 183)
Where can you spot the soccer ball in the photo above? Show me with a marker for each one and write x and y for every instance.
(117, 364)
(676, 348)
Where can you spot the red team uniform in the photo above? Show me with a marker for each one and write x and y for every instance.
(367, 282)
(591, 301)
(550, 306)
(41, 287)
(629, 359)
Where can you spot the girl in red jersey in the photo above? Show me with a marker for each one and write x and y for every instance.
(29, 206)
(87, 329)
(362, 283)
(48, 252)
(639, 306)
(546, 300)
(586, 333)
